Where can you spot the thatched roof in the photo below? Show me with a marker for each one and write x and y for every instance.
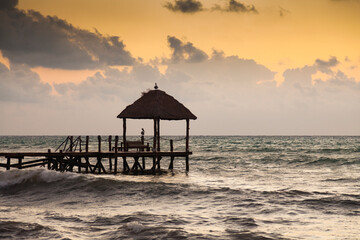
(156, 104)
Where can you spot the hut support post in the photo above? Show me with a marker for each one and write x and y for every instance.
(157, 140)
(143, 149)
(155, 136)
(158, 134)
(171, 166)
(187, 144)
(124, 134)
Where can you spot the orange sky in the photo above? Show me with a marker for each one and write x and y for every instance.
(307, 30)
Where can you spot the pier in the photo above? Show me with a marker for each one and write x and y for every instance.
(75, 155)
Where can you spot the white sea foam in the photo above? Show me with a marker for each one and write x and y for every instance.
(135, 227)
(14, 177)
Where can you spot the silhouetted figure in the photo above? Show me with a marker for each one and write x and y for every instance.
(142, 135)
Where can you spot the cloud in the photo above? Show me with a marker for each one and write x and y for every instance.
(323, 73)
(8, 4)
(235, 6)
(332, 62)
(185, 52)
(184, 6)
(111, 83)
(30, 38)
(283, 11)
(20, 84)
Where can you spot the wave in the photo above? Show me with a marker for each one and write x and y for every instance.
(333, 161)
(24, 230)
(24, 177)
(335, 205)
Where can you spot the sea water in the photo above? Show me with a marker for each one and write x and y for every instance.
(238, 187)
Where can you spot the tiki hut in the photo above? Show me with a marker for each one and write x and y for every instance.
(157, 105)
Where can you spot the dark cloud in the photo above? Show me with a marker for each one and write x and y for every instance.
(184, 6)
(235, 6)
(325, 66)
(20, 84)
(332, 62)
(185, 52)
(8, 4)
(33, 39)
(283, 11)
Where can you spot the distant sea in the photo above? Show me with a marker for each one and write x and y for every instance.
(238, 187)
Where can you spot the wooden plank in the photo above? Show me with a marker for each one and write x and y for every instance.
(33, 165)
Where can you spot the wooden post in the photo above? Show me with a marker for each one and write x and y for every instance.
(99, 143)
(49, 159)
(124, 134)
(143, 149)
(71, 143)
(158, 134)
(87, 150)
(70, 160)
(126, 167)
(110, 163)
(187, 144)
(80, 144)
(158, 162)
(60, 161)
(171, 166)
(79, 159)
(116, 151)
(154, 164)
(143, 162)
(87, 144)
(154, 144)
(8, 163)
(20, 162)
(187, 135)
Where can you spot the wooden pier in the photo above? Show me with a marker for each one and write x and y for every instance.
(74, 157)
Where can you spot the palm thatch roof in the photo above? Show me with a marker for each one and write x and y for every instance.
(156, 104)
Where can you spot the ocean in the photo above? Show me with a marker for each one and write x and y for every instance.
(238, 187)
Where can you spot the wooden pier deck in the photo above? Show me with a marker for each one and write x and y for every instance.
(89, 162)
(72, 158)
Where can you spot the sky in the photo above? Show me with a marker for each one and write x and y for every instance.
(262, 67)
